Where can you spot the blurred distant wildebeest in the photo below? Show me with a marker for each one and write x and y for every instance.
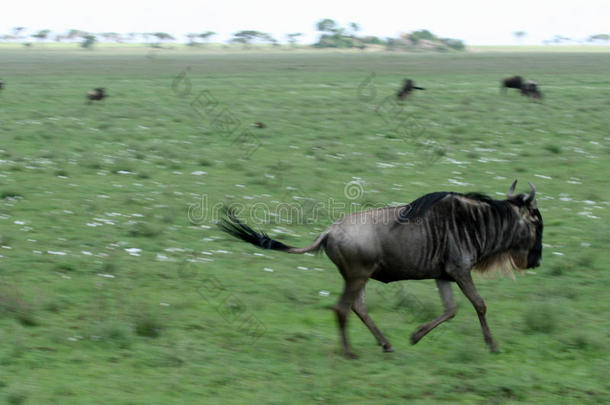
(514, 82)
(527, 87)
(97, 94)
(441, 236)
(1, 84)
(530, 88)
(407, 88)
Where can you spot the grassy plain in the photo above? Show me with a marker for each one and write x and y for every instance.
(111, 293)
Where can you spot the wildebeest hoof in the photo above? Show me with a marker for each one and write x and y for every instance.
(417, 335)
(388, 348)
(350, 355)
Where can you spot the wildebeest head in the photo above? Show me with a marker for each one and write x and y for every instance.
(528, 241)
(530, 88)
(98, 93)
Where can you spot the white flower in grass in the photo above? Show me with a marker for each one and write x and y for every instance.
(133, 251)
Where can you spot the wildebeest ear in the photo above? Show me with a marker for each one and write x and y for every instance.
(511, 190)
(530, 199)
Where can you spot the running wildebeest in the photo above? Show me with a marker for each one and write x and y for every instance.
(530, 88)
(407, 88)
(96, 94)
(441, 236)
(514, 82)
(527, 88)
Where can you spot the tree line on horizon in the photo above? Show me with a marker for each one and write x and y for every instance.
(331, 36)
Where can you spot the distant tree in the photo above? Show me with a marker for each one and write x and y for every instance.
(557, 39)
(41, 35)
(599, 37)
(192, 39)
(336, 37)
(161, 37)
(164, 36)
(354, 27)
(417, 36)
(112, 36)
(372, 40)
(264, 37)
(293, 38)
(207, 35)
(327, 25)
(17, 31)
(423, 40)
(88, 41)
(246, 37)
(75, 34)
(456, 44)
(519, 35)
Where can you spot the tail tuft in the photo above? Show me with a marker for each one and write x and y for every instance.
(233, 226)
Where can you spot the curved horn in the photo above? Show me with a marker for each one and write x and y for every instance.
(511, 190)
(532, 195)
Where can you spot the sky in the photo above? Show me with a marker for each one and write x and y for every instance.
(477, 22)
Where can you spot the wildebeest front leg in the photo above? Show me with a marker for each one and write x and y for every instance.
(342, 308)
(444, 288)
(359, 307)
(467, 286)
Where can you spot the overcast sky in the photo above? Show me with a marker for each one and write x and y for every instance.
(478, 22)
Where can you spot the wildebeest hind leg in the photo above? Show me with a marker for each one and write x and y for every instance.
(342, 308)
(359, 307)
(444, 288)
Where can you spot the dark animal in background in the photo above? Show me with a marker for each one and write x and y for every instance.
(441, 236)
(407, 88)
(526, 87)
(530, 88)
(1, 84)
(97, 94)
(515, 82)
(259, 124)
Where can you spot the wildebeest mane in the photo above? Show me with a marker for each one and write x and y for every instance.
(472, 222)
(417, 209)
(485, 227)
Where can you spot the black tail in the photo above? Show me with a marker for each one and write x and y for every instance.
(418, 88)
(233, 226)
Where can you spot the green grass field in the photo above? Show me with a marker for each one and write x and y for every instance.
(117, 288)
